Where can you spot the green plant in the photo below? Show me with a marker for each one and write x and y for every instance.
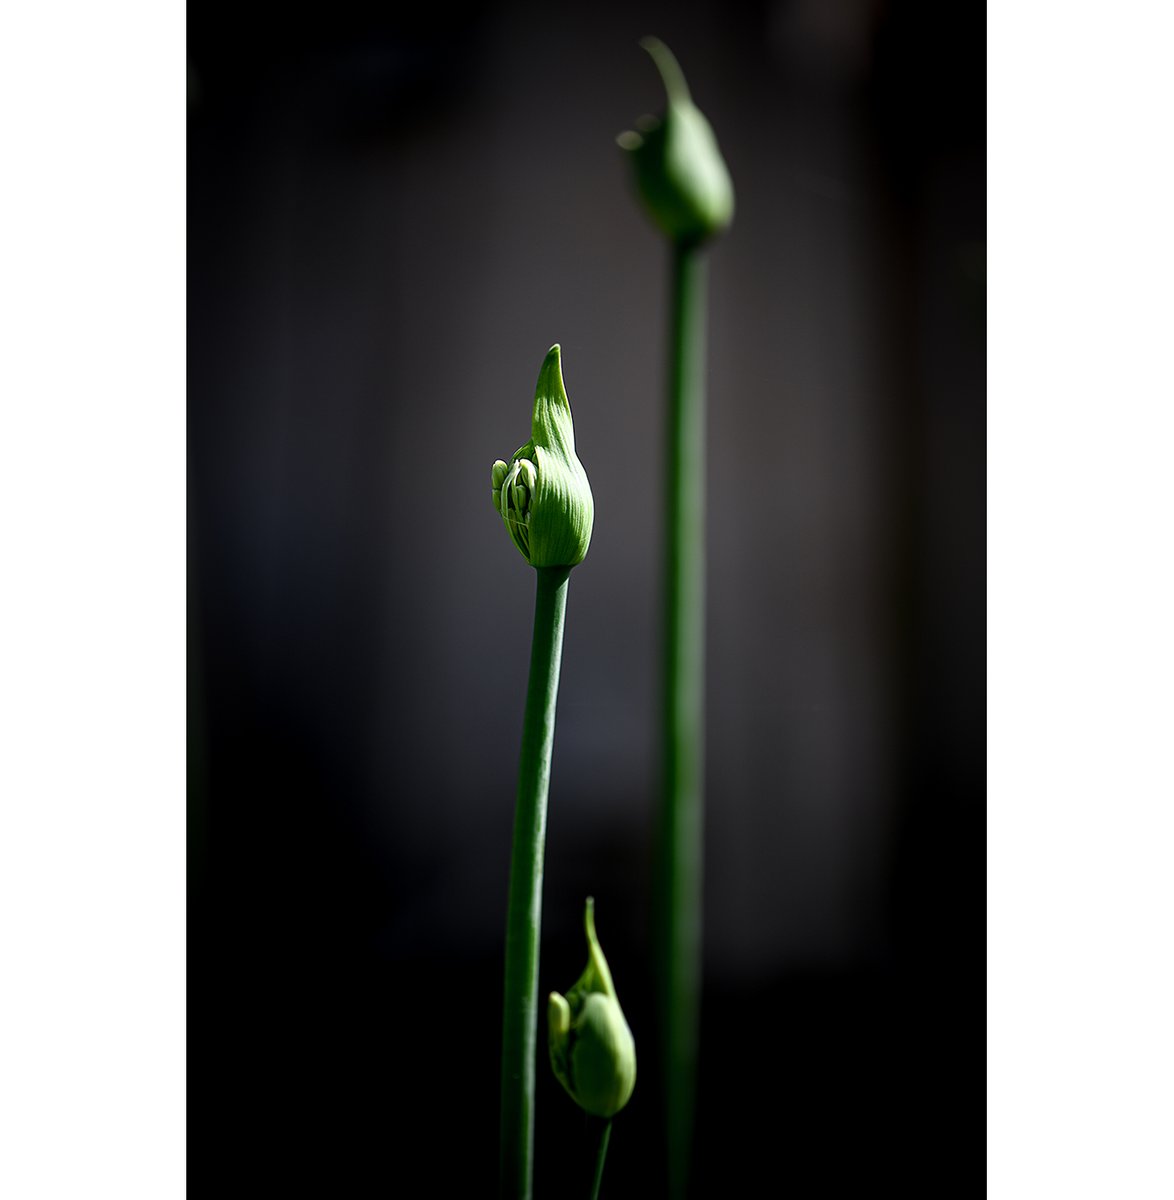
(592, 1051)
(685, 188)
(543, 496)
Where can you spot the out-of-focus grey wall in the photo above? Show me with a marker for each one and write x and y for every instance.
(391, 218)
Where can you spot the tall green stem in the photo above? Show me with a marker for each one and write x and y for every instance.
(524, 918)
(600, 1157)
(683, 709)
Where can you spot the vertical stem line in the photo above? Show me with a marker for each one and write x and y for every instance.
(683, 710)
(600, 1157)
(524, 916)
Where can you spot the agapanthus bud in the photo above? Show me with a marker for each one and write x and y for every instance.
(592, 1050)
(680, 172)
(542, 493)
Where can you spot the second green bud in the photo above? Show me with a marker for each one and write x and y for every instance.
(592, 1051)
(680, 173)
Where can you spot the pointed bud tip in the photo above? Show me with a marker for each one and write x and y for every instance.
(550, 378)
(671, 74)
(553, 360)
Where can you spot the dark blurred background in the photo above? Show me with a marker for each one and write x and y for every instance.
(391, 217)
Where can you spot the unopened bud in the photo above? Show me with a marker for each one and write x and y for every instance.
(592, 1050)
(680, 172)
(542, 493)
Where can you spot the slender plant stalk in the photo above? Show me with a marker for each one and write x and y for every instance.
(600, 1157)
(683, 713)
(686, 188)
(524, 919)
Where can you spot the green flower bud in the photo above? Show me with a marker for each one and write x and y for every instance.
(592, 1050)
(680, 173)
(542, 493)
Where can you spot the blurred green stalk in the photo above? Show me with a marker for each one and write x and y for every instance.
(683, 766)
(686, 189)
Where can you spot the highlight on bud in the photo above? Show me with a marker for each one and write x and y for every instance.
(592, 1051)
(542, 493)
(680, 173)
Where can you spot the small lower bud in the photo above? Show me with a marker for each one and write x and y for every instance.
(592, 1051)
